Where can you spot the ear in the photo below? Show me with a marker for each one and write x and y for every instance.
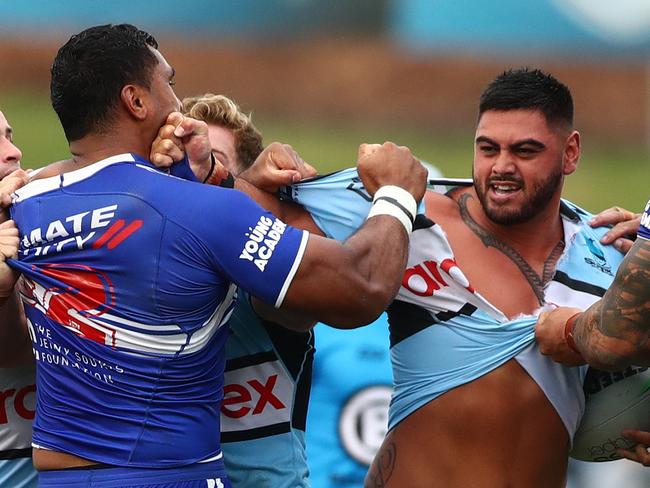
(571, 154)
(134, 100)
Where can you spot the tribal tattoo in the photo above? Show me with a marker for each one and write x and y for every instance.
(616, 330)
(382, 467)
(536, 281)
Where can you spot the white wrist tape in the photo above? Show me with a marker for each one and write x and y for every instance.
(396, 202)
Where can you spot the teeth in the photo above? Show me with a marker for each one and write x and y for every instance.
(504, 187)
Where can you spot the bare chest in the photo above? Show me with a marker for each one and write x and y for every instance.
(510, 281)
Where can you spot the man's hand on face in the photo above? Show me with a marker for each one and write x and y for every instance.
(277, 165)
(388, 164)
(182, 136)
(10, 184)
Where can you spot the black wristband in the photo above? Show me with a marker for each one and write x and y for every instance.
(212, 165)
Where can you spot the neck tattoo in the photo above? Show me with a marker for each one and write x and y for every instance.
(535, 281)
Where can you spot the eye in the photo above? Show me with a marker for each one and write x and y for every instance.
(172, 83)
(487, 149)
(527, 152)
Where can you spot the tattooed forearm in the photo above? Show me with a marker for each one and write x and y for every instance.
(615, 332)
(382, 467)
(536, 282)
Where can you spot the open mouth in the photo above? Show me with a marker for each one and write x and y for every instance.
(503, 190)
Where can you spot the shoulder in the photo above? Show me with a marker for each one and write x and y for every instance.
(440, 205)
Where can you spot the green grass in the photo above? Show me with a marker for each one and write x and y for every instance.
(607, 175)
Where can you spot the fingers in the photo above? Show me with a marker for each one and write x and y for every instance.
(9, 240)
(612, 216)
(639, 454)
(167, 147)
(550, 336)
(10, 183)
(286, 164)
(366, 150)
(624, 222)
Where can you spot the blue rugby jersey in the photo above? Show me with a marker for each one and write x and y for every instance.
(644, 228)
(127, 287)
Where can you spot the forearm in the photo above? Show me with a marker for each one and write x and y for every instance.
(357, 278)
(615, 332)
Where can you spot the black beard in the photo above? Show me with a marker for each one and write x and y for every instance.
(541, 193)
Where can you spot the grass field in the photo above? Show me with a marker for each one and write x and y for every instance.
(608, 174)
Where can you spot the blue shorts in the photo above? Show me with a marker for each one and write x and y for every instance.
(201, 475)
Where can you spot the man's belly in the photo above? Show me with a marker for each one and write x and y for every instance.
(497, 431)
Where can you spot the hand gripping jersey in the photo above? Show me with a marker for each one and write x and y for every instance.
(17, 408)
(444, 333)
(127, 288)
(348, 409)
(644, 229)
(263, 415)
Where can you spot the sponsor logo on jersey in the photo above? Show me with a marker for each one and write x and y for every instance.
(262, 240)
(357, 187)
(425, 278)
(22, 400)
(599, 263)
(78, 231)
(77, 295)
(364, 422)
(256, 396)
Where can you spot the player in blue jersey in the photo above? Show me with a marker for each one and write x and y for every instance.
(128, 289)
(17, 371)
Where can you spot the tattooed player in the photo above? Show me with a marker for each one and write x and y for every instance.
(614, 332)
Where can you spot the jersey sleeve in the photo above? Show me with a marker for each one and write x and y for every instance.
(338, 202)
(251, 246)
(644, 228)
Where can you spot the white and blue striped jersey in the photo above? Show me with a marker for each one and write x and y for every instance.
(17, 409)
(266, 392)
(442, 332)
(129, 279)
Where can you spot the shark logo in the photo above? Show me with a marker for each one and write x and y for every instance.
(600, 262)
(595, 249)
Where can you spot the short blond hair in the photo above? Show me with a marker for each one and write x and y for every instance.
(222, 111)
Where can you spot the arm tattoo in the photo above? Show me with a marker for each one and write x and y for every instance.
(616, 329)
(382, 467)
(536, 282)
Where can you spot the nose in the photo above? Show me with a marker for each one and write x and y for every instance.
(9, 153)
(504, 163)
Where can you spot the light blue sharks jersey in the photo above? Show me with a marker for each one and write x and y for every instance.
(443, 332)
(266, 390)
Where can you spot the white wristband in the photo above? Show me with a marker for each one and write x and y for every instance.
(399, 197)
(396, 202)
(404, 207)
(383, 207)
